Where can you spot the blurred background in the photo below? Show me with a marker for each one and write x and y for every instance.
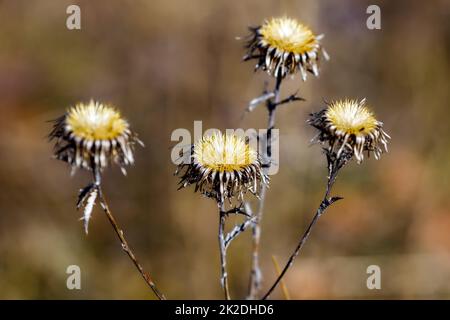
(168, 63)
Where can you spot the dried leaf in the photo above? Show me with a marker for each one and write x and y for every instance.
(88, 208)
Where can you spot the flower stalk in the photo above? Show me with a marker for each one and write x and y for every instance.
(334, 165)
(223, 251)
(272, 100)
(255, 272)
(120, 234)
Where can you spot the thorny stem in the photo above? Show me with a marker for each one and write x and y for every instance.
(334, 165)
(223, 251)
(255, 273)
(121, 236)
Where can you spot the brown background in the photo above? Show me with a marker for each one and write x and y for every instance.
(168, 63)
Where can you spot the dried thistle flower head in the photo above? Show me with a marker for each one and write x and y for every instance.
(349, 126)
(223, 166)
(284, 46)
(93, 135)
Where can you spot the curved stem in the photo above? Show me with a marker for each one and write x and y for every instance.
(223, 252)
(122, 239)
(333, 168)
(255, 273)
(296, 251)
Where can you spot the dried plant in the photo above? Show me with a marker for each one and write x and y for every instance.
(92, 136)
(347, 129)
(281, 47)
(224, 167)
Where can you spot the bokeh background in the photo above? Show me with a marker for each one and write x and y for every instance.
(168, 63)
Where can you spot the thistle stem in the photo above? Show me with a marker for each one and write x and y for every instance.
(122, 238)
(255, 273)
(223, 251)
(333, 168)
(283, 285)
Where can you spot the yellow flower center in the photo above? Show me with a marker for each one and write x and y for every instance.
(95, 121)
(351, 117)
(224, 153)
(288, 35)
